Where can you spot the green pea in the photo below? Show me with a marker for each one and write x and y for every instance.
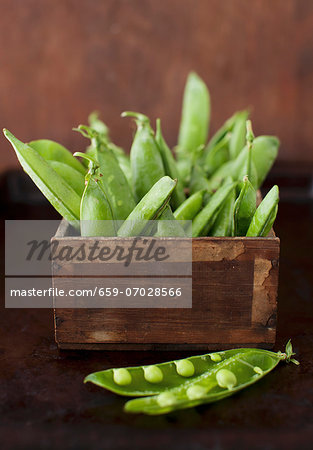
(153, 374)
(166, 399)
(215, 357)
(226, 379)
(185, 368)
(258, 370)
(195, 392)
(122, 377)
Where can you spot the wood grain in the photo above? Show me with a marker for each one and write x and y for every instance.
(234, 289)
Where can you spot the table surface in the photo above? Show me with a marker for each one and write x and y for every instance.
(44, 403)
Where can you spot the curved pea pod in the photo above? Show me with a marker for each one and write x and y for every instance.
(168, 226)
(149, 208)
(53, 151)
(73, 178)
(96, 217)
(227, 127)
(191, 206)
(227, 377)
(145, 158)
(265, 215)
(194, 125)
(245, 208)
(223, 224)
(203, 221)
(59, 193)
(198, 180)
(238, 135)
(265, 150)
(170, 167)
(217, 155)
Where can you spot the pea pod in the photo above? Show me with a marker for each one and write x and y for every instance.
(189, 382)
(53, 151)
(198, 180)
(73, 178)
(59, 193)
(113, 180)
(265, 215)
(145, 158)
(217, 155)
(119, 153)
(170, 167)
(238, 135)
(149, 208)
(245, 208)
(203, 221)
(168, 226)
(190, 208)
(224, 222)
(234, 373)
(194, 125)
(226, 128)
(265, 150)
(96, 217)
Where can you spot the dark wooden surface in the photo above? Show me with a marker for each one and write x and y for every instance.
(44, 403)
(61, 59)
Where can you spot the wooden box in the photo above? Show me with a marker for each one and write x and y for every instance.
(234, 290)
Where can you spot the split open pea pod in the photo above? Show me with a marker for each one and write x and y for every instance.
(235, 371)
(157, 378)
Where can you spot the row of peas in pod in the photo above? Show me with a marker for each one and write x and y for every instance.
(184, 383)
(208, 189)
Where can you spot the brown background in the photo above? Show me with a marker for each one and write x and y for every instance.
(61, 59)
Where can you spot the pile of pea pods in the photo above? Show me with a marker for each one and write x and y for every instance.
(184, 383)
(211, 183)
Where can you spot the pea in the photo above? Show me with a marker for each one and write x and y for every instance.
(226, 379)
(166, 399)
(215, 357)
(195, 392)
(122, 377)
(258, 370)
(185, 368)
(153, 374)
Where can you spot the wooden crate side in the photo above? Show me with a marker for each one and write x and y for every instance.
(234, 303)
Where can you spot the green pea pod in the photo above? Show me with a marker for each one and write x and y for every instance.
(238, 135)
(95, 212)
(245, 208)
(265, 215)
(145, 158)
(53, 151)
(217, 155)
(113, 180)
(198, 180)
(73, 178)
(170, 167)
(194, 125)
(204, 220)
(119, 153)
(149, 208)
(64, 199)
(168, 226)
(265, 150)
(191, 381)
(223, 224)
(190, 208)
(242, 369)
(226, 128)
